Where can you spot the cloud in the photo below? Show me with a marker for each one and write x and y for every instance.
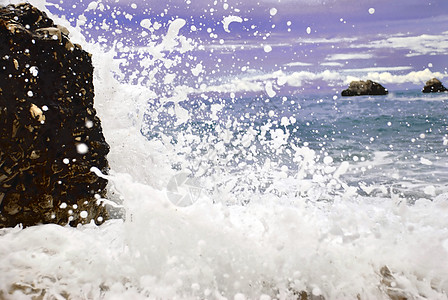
(279, 79)
(276, 80)
(297, 79)
(415, 77)
(424, 44)
(297, 64)
(378, 69)
(327, 40)
(231, 45)
(349, 56)
(332, 64)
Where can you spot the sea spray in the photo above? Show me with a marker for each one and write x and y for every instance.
(268, 248)
(279, 211)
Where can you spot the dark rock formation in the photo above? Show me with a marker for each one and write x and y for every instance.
(50, 135)
(434, 86)
(360, 88)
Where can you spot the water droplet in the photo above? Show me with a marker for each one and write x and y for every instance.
(82, 148)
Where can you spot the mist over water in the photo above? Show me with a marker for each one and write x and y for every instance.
(259, 195)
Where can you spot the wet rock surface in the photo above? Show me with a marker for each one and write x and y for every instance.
(361, 88)
(434, 86)
(50, 135)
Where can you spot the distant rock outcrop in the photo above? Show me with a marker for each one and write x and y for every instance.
(360, 88)
(50, 135)
(434, 86)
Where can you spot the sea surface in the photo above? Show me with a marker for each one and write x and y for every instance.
(393, 144)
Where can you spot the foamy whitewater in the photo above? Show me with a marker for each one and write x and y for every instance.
(240, 197)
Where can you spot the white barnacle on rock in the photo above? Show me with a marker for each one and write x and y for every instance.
(34, 155)
(63, 30)
(37, 113)
(69, 46)
(16, 64)
(52, 33)
(12, 27)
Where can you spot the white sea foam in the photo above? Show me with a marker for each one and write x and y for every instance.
(206, 250)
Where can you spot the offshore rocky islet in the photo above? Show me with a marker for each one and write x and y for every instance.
(371, 88)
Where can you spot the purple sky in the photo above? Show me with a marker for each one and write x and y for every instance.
(291, 45)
